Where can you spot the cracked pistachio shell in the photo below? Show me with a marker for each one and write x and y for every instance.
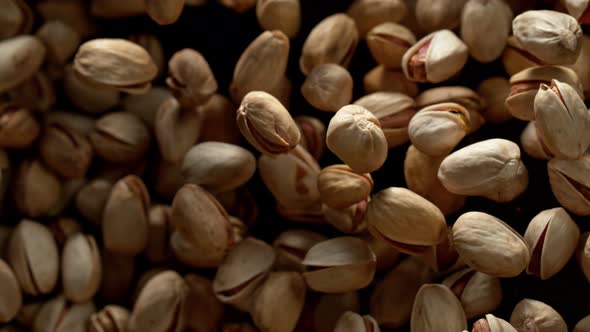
(490, 168)
(433, 16)
(328, 87)
(261, 66)
(242, 271)
(18, 126)
(292, 245)
(120, 137)
(348, 220)
(88, 97)
(489, 245)
(369, 13)
(116, 63)
(515, 58)
(278, 302)
(435, 58)
(333, 40)
(267, 124)
(352, 322)
(164, 12)
(388, 42)
(570, 183)
(494, 91)
(355, 136)
(583, 325)
(33, 255)
(443, 257)
(532, 315)
(202, 233)
(339, 265)
(436, 130)
(390, 80)
(420, 171)
(190, 78)
(204, 312)
(533, 144)
(37, 189)
(11, 298)
(313, 135)
(161, 304)
(552, 237)
(492, 18)
(478, 292)
(436, 308)
(59, 315)
(341, 187)
(553, 37)
(492, 323)
(394, 111)
(66, 151)
(176, 129)
(218, 167)
(125, 217)
(283, 15)
(20, 58)
(112, 318)
(562, 120)
(406, 220)
(16, 18)
(81, 268)
(393, 296)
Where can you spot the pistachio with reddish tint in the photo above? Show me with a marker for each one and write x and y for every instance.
(570, 183)
(492, 323)
(478, 292)
(339, 265)
(394, 110)
(120, 137)
(552, 237)
(340, 187)
(388, 42)
(66, 151)
(313, 135)
(349, 220)
(389, 80)
(353, 322)
(81, 268)
(437, 309)
(18, 126)
(190, 78)
(328, 87)
(242, 272)
(435, 58)
(176, 129)
(125, 217)
(406, 220)
(204, 312)
(443, 257)
(292, 245)
(533, 315)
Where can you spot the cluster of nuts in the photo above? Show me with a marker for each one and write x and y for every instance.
(129, 181)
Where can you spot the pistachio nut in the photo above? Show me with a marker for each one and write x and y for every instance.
(36, 94)
(341, 187)
(494, 92)
(111, 318)
(435, 58)
(12, 298)
(552, 237)
(569, 183)
(394, 111)
(443, 257)
(120, 137)
(553, 37)
(267, 124)
(161, 304)
(117, 9)
(328, 87)
(202, 234)
(388, 42)
(436, 308)
(16, 19)
(278, 302)
(492, 323)
(489, 245)
(218, 166)
(478, 292)
(406, 220)
(515, 58)
(339, 265)
(333, 40)
(490, 168)
(153, 46)
(313, 135)
(436, 130)
(160, 226)
(583, 325)
(261, 66)
(242, 271)
(391, 80)
(66, 151)
(176, 129)
(433, 16)
(533, 315)
(387, 256)
(348, 220)
(88, 97)
(37, 190)
(61, 39)
(292, 245)
(578, 9)
(393, 296)
(22, 56)
(164, 12)
(92, 198)
(353, 322)
(190, 78)
(116, 63)
(533, 144)
(492, 18)
(118, 273)
(59, 315)
(355, 136)
(283, 15)
(204, 312)
(168, 178)
(18, 126)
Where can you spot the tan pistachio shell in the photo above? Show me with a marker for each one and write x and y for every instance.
(340, 187)
(112, 318)
(81, 268)
(22, 56)
(436, 308)
(292, 245)
(353, 322)
(388, 42)
(283, 15)
(569, 183)
(535, 315)
(478, 292)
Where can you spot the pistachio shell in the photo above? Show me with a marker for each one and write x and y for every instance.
(353, 322)
(283, 15)
(328, 87)
(437, 309)
(340, 187)
(478, 292)
(292, 245)
(176, 129)
(492, 323)
(112, 318)
(532, 143)
(22, 56)
(388, 42)
(81, 268)
(583, 325)
(190, 78)
(537, 316)
(392, 80)
(59, 315)
(569, 183)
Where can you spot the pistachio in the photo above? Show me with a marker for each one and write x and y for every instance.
(494, 92)
(436, 130)
(578, 9)
(118, 273)
(73, 13)
(92, 198)
(443, 257)
(328, 87)
(86, 96)
(61, 40)
(66, 151)
(490, 168)
(190, 78)
(492, 323)
(146, 106)
(478, 292)
(533, 144)
(353, 322)
(120, 137)
(553, 37)
(283, 15)
(333, 40)
(392, 299)
(243, 270)
(394, 111)
(532, 315)
(407, 221)
(218, 166)
(437, 309)
(153, 46)
(348, 220)
(339, 265)
(28, 312)
(392, 80)
(204, 312)
(37, 93)
(369, 13)
(583, 325)
(68, 193)
(12, 298)
(112, 318)
(16, 18)
(388, 42)
(355, 136)
(569, 183)
(80, 268)
(515, 58)
(583, 254)
(489, 245)
(176, 129)
(37, 189)
(432, 16)
(340, 187)
(22, 56)
(435, 58)
(61, 316)
(164, 12)
(18, 127)
(292, 245)
(313, 135)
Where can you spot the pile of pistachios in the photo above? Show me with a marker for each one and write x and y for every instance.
(136, 187)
